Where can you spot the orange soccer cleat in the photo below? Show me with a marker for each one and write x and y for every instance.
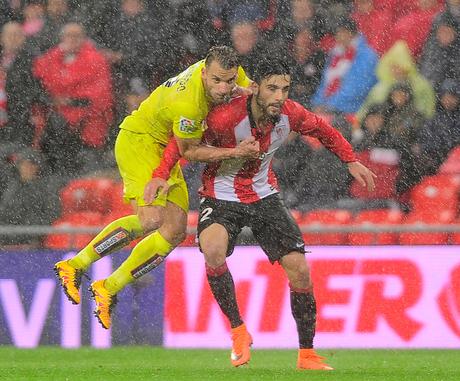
(241, 348)
(104, 303)
(70, 280)
(309, 359)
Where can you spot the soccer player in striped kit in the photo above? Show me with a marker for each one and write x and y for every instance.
(244, 192)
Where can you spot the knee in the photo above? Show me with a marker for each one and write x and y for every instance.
(151, 218)
(215, 254)
(174, 233)
(177, 237)
(300, 278)
(304, 276)
(150, 223)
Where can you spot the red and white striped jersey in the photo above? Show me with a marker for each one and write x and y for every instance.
(249, 180)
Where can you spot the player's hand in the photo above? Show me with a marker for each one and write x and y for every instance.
(155, 187)
(238, 91)
(363, 175)
(249, 148)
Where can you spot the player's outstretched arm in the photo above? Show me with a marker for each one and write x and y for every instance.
(194, 150)
(362, 174)
(307, 123)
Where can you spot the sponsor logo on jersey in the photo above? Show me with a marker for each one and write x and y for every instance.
(187, 126)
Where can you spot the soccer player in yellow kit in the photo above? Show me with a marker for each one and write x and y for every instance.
(176, 108)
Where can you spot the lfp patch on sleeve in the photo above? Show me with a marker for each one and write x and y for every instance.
(187, 126)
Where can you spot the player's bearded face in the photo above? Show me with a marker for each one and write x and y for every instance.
(271, 95)
(219, 82)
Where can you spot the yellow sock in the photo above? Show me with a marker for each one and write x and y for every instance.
(146, 255)
(113, 237)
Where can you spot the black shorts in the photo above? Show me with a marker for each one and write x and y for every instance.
(270, 221)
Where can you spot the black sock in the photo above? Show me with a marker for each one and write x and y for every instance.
(221, 282)
(303, 307)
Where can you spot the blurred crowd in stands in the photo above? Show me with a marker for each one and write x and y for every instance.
(386, 73)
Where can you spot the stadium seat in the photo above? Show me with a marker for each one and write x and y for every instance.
(455, 237)
(435, 238)
(73, 241)
(190, 240)
(375, 217)
(192, 218)
(297, 215)
(326, 217)
(386, 169)
(87, 194)
(192, 223)
(118, 207)
(452, 163)
(435, 194)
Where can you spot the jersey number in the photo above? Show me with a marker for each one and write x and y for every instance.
(171, 81)
(205, 214)
(182, 78)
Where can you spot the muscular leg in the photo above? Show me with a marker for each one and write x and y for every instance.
(118, 234)
(151, 250)
(303, 305)
(113, 237)
(214, 245)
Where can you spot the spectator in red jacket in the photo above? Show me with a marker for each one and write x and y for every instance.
(399, 8)
(77, 79)
(374, 24)
(415, 27)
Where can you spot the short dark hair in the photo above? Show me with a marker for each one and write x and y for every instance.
(224, 55)
(269, 65)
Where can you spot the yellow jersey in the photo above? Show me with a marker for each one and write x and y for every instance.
(178, 106)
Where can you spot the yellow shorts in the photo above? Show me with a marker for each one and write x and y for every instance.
(137, 156)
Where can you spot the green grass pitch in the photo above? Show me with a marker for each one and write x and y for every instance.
(146, 363)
